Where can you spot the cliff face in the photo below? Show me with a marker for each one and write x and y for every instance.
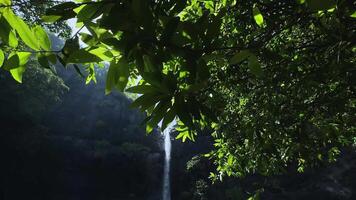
(86, 146)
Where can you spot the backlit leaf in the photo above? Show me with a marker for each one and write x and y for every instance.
(25, 33)
(2, 57)
(257, 16)
(42, 38)
(7, 34)
(5, 2)
(16, 64)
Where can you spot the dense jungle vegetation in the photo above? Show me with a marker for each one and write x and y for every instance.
(262, 93)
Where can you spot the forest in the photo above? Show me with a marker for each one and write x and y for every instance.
(177, 99)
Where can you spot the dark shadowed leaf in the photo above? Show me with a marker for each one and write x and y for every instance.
(82, 56)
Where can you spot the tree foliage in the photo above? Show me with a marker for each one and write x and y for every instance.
(273, 81)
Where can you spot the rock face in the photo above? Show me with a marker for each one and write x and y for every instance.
(88, 146)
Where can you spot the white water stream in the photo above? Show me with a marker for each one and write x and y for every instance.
(166, 192)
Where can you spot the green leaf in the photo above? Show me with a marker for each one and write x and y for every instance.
(51, 18)
(16, 60)
(61, 12)
(89, 12)
(7, 34)
(353, 15)
(21, 28)
(42, 38)
(145, 101)
(2, 58)
(239, 57)
(88, 39)
(43, 60)
(17, 73)
(184, 135)
(83, 56)
(168, 118)
(254, 66)
(123, 70)
(257, 16)
(102, 53)
(141, 89)
(16, 64)
(117, 76)
(5, 2)
(316, 5)
(71, 45)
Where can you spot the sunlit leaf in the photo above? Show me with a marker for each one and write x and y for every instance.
(16, 60)
(353, 15)
(16, 64)
(102, 53)
(88, 12)
(51, 18)
(25, 33)
(7, 34)
(257, 16)
(42, 38)
(5, 2)
(2, 57)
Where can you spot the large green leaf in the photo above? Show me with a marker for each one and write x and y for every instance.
(5, 2)
(117, 76)
(25, 33)
(2, 57)
(83, 56)
(239, 57)
(62, 11)
(7, 35)
(141, 89)
(51, 18)
(147, 100)
(16, 64)
(102, 53)
(17, 73)
(16, 60)
(43, 60)
(42, 38)
(254, 66)
(88, 12)
(157, 114)
(168, 118)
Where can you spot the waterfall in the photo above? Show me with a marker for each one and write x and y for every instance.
(167, 159)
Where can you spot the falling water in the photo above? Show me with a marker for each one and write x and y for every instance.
(166, 178)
